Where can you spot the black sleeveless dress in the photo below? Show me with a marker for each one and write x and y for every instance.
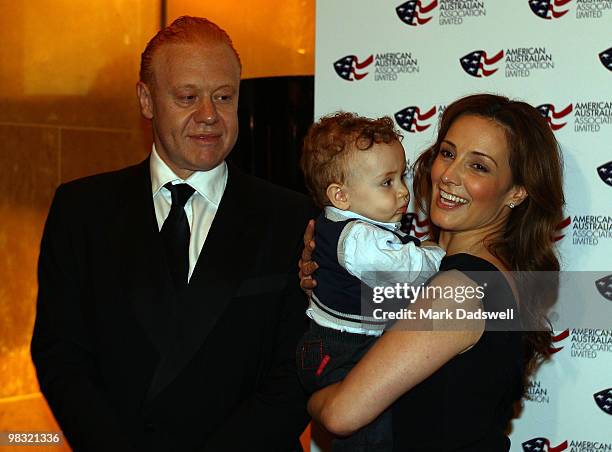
(467, 404)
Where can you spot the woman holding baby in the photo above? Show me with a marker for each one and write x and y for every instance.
(491, 185)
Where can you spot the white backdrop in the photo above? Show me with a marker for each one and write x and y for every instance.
(409, 60)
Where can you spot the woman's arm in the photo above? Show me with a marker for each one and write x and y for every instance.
(397, 362)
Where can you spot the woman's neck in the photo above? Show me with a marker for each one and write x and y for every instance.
(470, 242)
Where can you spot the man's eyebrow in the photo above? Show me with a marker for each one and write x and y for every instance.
(186, 85)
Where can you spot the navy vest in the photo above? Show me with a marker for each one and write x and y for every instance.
(336, 287)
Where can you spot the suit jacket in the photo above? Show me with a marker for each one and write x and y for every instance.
(126, 363)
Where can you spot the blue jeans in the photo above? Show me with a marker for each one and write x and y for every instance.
(325, 356)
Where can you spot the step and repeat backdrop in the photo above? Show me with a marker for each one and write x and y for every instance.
(409, 60)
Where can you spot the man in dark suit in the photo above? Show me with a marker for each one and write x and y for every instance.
(169, 306)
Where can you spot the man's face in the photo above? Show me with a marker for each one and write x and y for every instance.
(193, 104)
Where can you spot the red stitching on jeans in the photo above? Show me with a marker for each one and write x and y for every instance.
(324, 362)
(307, 346)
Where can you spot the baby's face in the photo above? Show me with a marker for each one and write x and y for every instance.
(375, 187)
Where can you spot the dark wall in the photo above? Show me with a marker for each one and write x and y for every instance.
(274, 115)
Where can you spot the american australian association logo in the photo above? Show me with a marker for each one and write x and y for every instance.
(557, 341)
(453, 12)
(521, 61)
(480, 64)
(413, 119)
(549, 9)
(604, 287)
(560, 232)
(413, 225)
(517, 62)
(543, 444)
(592, 9)
(589, 343)
(450, 12)
(606, 56)
(538, 392)
(579, 343)
(555, 117)
(386, 66)
(415, 13)
(556, 9)
(590, 116)
(603, 399)
(605, 173)
(350, 68)
(586, 230)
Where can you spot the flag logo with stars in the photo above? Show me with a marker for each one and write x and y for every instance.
(347, 67)
(542, 445)
(478, 64)
(558, 338)
(549, 9)
(552, 116)
(606, 58)
(412, 120)
(604, 287)
(603, 399)
(605, 173)
(560, 227)
(411, 224)
(412, 12)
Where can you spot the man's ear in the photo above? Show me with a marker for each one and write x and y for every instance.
(518, 194)
(338, 196)
(146, 100)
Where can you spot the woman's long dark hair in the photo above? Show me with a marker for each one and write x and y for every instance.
(526, 245)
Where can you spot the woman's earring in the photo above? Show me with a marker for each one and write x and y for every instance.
(511, 205)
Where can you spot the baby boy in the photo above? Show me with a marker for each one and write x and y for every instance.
(354, 168)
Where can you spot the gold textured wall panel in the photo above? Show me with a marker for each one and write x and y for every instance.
(73, 62)
(273, 37)
(68, 108)
(106, 150)
(30, 161)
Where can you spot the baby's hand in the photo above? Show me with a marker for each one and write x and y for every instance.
(306, 265)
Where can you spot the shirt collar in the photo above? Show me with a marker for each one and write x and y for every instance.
(335, 214)
(209, 184)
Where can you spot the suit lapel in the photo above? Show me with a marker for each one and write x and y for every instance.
(146, 281)
(221, 265)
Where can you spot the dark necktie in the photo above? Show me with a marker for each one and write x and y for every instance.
(175, 234)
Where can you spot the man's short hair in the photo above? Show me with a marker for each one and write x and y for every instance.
(185, 29)
(331, 141)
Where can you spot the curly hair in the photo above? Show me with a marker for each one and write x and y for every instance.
(526, 245)
(329, 144)
(185, 29)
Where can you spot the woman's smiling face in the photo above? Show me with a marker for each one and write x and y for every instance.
(471, 177)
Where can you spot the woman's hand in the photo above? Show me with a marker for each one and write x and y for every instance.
(306, 264)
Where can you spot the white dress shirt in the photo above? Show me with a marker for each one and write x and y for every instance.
(200, 208)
